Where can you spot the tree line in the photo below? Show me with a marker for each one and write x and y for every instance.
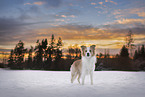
(49, 56)
(123, 61)
(140, 53)
(139, 57)
(43, 56)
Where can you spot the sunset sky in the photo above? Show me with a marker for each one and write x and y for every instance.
(101, 22)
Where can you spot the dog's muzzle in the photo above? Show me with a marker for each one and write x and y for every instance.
(88, 54)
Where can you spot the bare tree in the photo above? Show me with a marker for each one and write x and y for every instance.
(129, 42)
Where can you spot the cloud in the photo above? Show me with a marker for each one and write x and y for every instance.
(76, 27)
(100, 3)
(9, 25)
(122, 26)
(49, 3)
(141, 14)
(69, 31)
(60, 20)
(125, 13)
(93, 3)
(2, 50)
(63, 16)
(73, 16)
(28, 4)
(35, 3)
(131, 21)
(111, 2)
(38, 3)
(76, 32)
(9, 28)
(67, 13)
(70, 11)
(12, 30)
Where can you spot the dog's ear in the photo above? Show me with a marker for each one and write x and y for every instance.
(93, 47)
(83, 50)
(83, 47)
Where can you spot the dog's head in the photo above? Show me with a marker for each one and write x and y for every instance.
(88, 51)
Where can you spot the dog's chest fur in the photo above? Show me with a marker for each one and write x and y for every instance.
(88, 64)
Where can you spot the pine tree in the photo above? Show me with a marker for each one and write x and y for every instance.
(142, 51)
(59, 43)
(52, 44)
(100, 56)
(16, 59)
(71, 51)
(11, 59)
(77, 51)
(124, 62)
(52, 47)
(136, 55)
(124, 52)
(44, 47)
(19, 52)
(30, 54)
(50, 52)
(58, 52)
(44, 44)
(30, 57)
(117, 56)
(38, 55)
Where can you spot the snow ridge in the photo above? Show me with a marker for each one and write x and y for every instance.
(29, 83)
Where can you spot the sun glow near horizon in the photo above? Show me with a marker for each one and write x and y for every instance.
(104, 23)
(104, 44)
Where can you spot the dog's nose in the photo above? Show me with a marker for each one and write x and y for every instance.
(88, 54)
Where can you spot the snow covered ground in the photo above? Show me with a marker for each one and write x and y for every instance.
(28, 83)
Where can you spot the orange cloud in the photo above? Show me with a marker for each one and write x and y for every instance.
(100, 3)
(38, 3)
(141, 14)
(81, 34)
(64, 16)
(93, 3)
(76, 32)
(130, 21)
(111, 2)
(35, 3)
(28, 4)
(128, 12)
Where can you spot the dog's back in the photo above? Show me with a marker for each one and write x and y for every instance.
(76, 69)
(76, 66)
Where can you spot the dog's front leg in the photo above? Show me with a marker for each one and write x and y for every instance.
(83, 78)
(91, 77)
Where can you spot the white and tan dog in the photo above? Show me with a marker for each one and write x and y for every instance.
(84, 66)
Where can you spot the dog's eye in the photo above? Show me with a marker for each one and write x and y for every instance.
(90, 50)
(85, 50)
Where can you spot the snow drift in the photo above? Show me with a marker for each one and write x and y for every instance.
(28, 83)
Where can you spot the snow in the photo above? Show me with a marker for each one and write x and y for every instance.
(29, 83)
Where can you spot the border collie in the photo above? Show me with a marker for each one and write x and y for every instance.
(84, 66)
